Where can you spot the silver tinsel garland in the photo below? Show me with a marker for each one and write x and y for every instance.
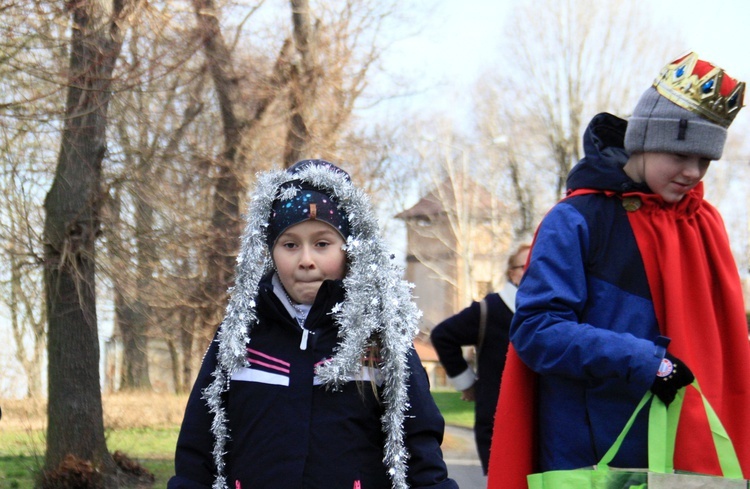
(378, 303)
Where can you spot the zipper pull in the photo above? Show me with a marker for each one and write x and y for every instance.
(305, 335)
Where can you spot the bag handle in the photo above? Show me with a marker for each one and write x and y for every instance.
(662, 427)
(610, 454)
(663, 423)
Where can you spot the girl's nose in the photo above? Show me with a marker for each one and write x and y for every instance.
(306, 257)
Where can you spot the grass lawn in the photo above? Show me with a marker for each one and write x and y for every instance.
(22, 452)
(22, 447)
(17, 472)
(455, 411)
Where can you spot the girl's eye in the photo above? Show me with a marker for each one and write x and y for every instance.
(322, 244)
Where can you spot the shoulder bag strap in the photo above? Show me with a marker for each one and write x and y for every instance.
(482, 326)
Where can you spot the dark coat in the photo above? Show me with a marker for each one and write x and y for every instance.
(287, 430)
(462, 329)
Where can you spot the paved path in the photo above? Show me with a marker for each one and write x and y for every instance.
(460, 454)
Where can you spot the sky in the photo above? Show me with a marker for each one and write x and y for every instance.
(462, 35)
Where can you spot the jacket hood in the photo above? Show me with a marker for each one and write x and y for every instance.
(602, 166)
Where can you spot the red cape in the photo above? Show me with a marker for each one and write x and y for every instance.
(699, 303)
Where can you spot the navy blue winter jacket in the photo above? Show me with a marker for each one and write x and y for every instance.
(289, 432)
(584, 316)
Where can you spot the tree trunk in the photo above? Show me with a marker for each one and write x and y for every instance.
(136, 315)
(226, 224)
(302, 83)
(134, 330)
(75, 424)
(225, 228)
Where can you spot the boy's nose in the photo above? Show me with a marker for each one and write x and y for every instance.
(692, 169)
(695, 166)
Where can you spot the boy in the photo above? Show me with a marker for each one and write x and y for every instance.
(631, 286)
(312, 380)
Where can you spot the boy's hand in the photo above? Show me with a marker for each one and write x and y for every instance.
(673, 374)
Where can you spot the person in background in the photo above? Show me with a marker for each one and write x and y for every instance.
(312, 380)
(485, 325)
(631, 286)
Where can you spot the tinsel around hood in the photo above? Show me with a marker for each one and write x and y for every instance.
(378, 303)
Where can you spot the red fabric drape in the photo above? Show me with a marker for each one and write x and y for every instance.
(513, 447)
(698, 302)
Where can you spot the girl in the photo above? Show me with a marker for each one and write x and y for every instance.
(318, 313)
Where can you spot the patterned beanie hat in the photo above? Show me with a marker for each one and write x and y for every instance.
(299, 201)
(687, 110)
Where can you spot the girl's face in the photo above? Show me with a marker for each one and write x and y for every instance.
(667, 174)
(305, 255)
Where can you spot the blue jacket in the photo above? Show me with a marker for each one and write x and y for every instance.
(287, 431)
(584, 316)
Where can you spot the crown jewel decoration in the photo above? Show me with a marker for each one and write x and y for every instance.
(702, 88)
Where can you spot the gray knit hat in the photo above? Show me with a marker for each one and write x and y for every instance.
(686, 111)
(658, 125)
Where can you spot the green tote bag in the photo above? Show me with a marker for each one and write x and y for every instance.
(660, 473)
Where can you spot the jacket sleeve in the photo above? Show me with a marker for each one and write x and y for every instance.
(557, 290)
(423, 433)
(449, 336)
(194, 464)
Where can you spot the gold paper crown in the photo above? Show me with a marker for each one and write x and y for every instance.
(700, 87)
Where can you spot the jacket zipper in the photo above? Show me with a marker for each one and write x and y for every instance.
(305, 336)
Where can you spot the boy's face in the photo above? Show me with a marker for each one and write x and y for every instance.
(667, 174)
(305, 255)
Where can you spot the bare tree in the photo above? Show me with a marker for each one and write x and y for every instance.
(28, 322)
(571, 59)
(145, 167)
(174, 179)
(30, 58)
(458, 231)
(72, 206)
(316, 119)
(229, 184)
(514, 153)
